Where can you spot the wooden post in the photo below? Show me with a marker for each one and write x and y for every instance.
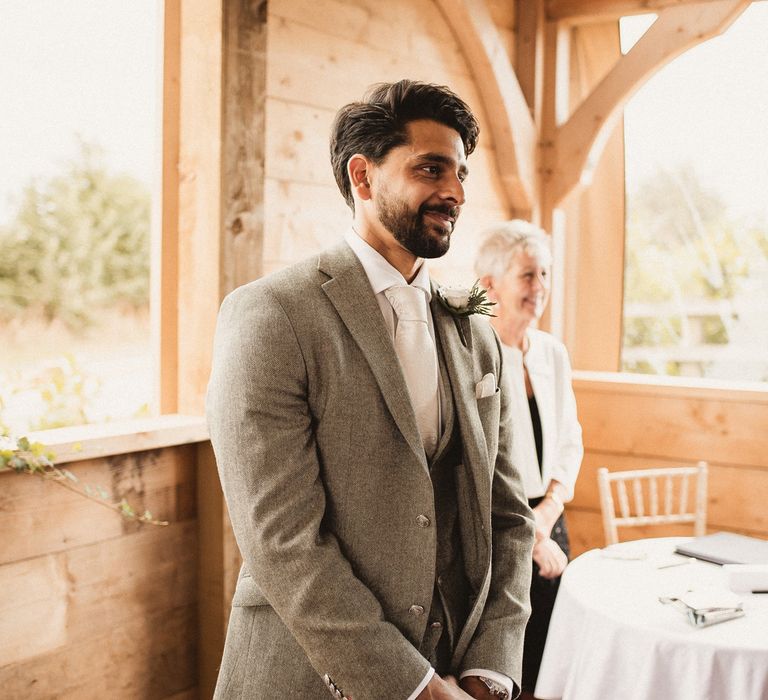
(593, 276)
(218, 565)
(165, 250)
(220, 243)
(243, 139)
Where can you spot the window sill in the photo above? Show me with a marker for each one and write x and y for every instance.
(659, 385)
(120, 437)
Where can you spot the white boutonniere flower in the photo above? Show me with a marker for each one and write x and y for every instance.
(463, 302)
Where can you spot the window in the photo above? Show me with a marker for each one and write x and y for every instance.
(696, 277)
(79, 140)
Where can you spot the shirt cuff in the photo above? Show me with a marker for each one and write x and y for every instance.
(499, 678)
(423, 684)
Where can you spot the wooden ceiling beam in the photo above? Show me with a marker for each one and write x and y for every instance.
(529, 52)
(506, 109)
(583, 11)
(578, 141)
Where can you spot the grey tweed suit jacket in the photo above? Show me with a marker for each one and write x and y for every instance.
(324, 476)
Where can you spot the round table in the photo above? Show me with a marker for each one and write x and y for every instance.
(612, 639)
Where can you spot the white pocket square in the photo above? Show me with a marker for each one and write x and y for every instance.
(486, 386)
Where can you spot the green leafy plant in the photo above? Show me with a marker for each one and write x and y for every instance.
(33, 458)
(78, 242)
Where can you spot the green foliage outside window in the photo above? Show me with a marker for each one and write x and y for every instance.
(688, 261)
(79, 242)
(74, 267)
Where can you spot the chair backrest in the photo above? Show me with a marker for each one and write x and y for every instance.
(658, 496)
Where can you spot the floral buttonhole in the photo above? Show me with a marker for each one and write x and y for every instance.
(463, 302)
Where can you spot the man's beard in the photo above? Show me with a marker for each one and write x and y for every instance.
(409, 228)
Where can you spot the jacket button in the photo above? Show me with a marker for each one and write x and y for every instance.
(416, 610)
(423, 521)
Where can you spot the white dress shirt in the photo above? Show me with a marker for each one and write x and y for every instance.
(382, 276)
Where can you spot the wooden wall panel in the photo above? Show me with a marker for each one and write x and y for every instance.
(397, 29)
(313, 75)
(96, 606)
(680, 426)
(161, 481)
(634, 425)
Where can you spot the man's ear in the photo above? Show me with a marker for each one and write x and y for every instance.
(358, 170)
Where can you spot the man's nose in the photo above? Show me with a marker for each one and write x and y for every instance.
(453, 189)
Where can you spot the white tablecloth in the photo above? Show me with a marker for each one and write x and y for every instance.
(611, 639)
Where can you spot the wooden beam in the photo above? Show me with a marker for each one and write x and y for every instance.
(594, 216)
(230, 104)
(556, 72)
(218, 565)
(529, 48)
(243, 132)
(200, 185)
(578, 142)
(510, 121)
(582, 11)
(165, 240)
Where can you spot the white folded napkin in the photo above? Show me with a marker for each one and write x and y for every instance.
(746, 578)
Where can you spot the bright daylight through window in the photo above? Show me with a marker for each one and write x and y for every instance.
(79, 87)
(696, 278)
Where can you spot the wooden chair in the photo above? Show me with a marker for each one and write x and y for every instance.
(646, 483)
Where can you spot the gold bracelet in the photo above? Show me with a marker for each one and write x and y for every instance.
(558, 501)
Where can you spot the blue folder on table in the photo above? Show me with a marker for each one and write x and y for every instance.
(726, 548)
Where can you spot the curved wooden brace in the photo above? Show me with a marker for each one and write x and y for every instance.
(578, 142)
(584, 11)
(510, 121)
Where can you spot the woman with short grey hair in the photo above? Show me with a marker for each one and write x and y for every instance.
(513, 263)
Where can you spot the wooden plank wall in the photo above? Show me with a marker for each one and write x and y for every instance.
(323, 54)
(92, 605)
(630, 424)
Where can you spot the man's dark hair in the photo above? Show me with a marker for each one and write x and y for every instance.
(377, 124)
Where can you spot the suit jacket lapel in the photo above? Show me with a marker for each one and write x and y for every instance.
(351, 294)
(456, 338)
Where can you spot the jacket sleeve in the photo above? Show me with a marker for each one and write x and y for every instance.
(498, 641)
(262, 432)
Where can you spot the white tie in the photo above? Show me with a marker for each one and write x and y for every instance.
(418, 358)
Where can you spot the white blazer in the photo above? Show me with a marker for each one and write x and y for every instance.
(550, 373)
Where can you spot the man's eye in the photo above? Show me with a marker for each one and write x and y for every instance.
(431, 169)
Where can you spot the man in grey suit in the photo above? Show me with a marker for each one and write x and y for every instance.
(362, 431)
